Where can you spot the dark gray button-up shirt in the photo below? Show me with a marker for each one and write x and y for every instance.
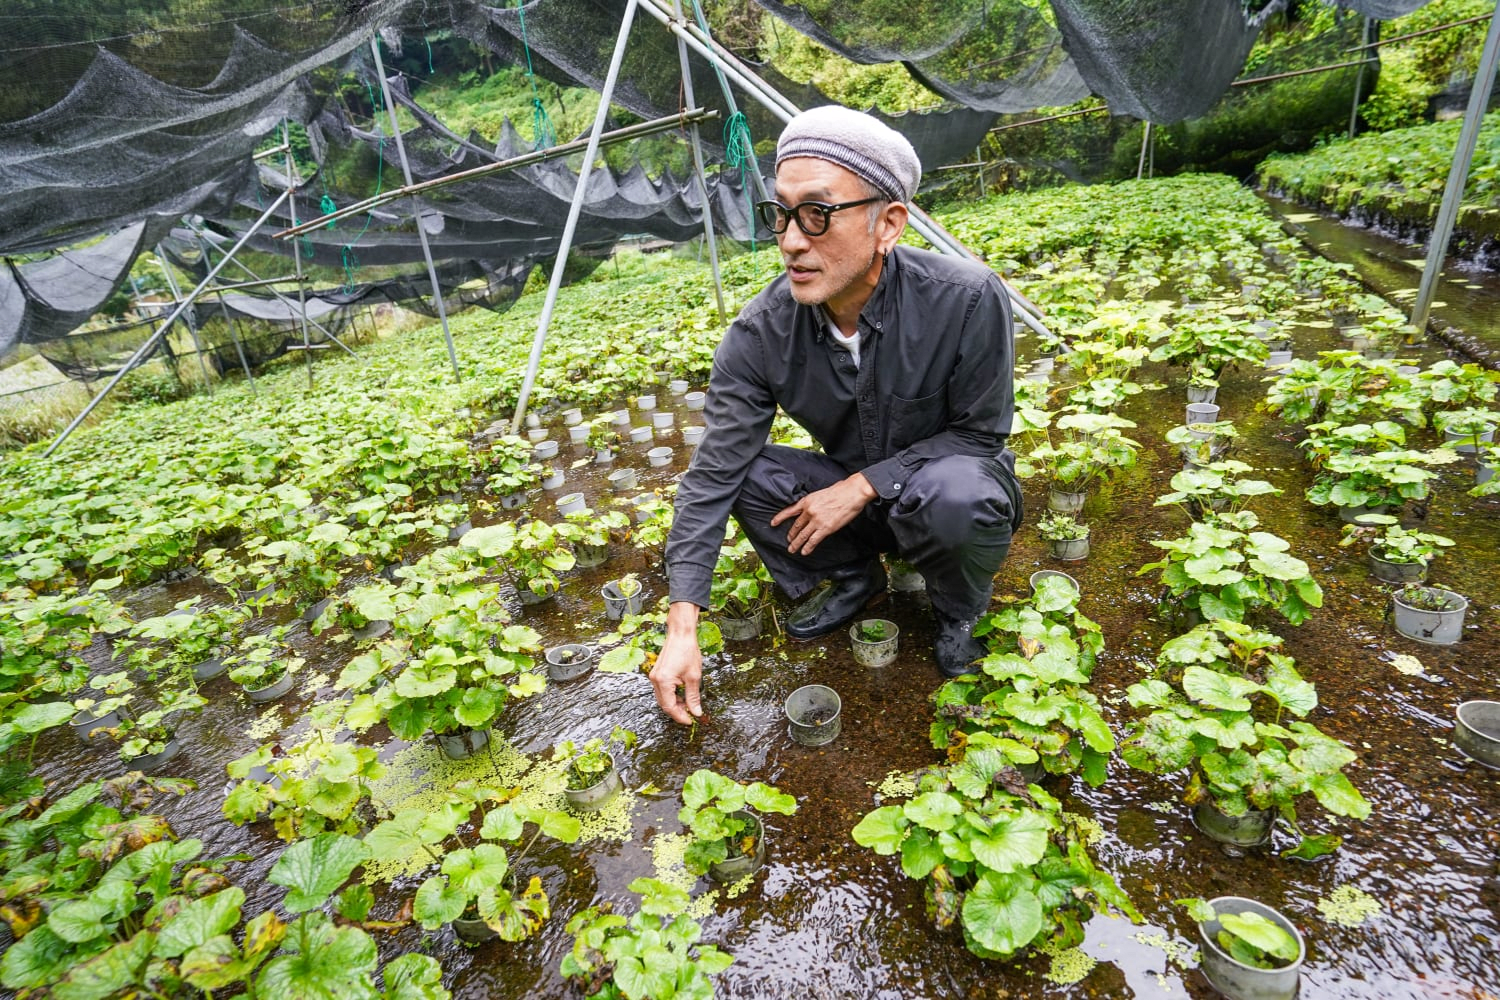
(934, 379)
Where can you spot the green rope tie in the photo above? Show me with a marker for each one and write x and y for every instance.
(430, 70)
(328, 206)
(541, 126)
(739, 153)
(375, 106)
(541, 123)
(351, 266)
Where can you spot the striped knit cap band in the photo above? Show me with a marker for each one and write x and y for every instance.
(859, 143)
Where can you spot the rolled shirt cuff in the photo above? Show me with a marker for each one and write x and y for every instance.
(886, 477)
(692, 582)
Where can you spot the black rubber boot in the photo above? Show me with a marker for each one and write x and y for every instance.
(836, 606)
(955, 648)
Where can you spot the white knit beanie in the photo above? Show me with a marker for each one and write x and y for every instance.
(857, 142)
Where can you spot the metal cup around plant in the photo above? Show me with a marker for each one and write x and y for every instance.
(617, 603)
(623, 480)
(695, 400)
(1476, 731)
(659, 457)
(569, 662)
(815, 712)
(874, 641)
(1042, 574)
(1237, 980)
(1202, 413)
(598, 795)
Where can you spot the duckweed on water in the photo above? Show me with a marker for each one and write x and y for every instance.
(1178, 953)
(1348, 906)
(267, 725)
(313, 684)
(1091, 831)
(1067, 966)
(736, 889)
(896, 785)
(1406, 663)
(667, 850)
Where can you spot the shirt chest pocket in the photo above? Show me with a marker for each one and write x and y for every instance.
(915, 419)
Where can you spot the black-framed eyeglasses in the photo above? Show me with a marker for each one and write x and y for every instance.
(812, 216)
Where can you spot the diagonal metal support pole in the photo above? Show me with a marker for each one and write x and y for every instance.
(239, 348)
(146, 348)
(437, 290)
(283, 299)
(166, 270)
(1359, 75)
(574, 211)
(291, 208)
(695, 141)
(1458, 176)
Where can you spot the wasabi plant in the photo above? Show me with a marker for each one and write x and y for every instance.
(1000, 860)
(1218, 701)
(655, 952)
(1248, 938)
(716, 810)
(1224, 568)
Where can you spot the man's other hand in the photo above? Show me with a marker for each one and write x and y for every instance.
(820, 514)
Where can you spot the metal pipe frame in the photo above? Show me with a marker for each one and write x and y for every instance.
(252, 284)
(161, 331)
(187, 317)
(208, 244)
(239, 348)
(696, 143)
(635, 131)
(784, 109)
(291, 193)
(1458, 176)
(437, 289)
(574, 211)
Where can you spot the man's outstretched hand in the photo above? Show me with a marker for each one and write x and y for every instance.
(820, 514)
(680, 665)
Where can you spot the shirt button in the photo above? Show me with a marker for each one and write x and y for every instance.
(896, 487)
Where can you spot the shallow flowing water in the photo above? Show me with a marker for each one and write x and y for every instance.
(827, 918)
(1467, 301)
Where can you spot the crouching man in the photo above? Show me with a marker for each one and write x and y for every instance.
(898, 362)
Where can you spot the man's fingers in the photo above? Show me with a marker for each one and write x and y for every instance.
(693, 698)
(668, 703)
(787, 512)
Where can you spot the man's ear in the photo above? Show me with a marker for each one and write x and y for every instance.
(891, 224)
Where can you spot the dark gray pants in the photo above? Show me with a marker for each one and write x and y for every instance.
(953, 522)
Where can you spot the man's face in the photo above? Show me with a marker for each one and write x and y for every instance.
(825, 268)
